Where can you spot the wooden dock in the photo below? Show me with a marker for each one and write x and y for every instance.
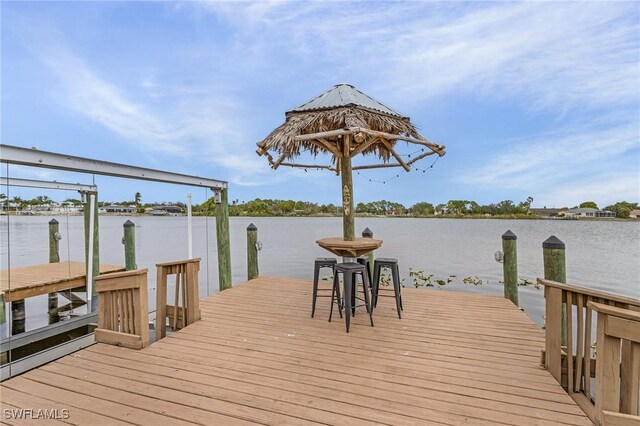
(35, 280)
(256, 356)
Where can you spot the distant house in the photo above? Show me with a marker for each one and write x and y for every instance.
(589, 213)
(115, 208)
(165, 210)
(634, 214)
(9, 206)
(66, 207)
(545, 212)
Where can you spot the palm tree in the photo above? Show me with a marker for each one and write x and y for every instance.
(138, 198)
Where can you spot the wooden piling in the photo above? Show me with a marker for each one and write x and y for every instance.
(252, 252)
(368, 233)
(96, 246)
(54, 244)
(54, 257)
(222, 236)
(18, 317)
(129, 241)
(510, 266)
(553, 250)
(3, 314)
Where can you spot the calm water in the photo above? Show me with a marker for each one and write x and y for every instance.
(600, 255)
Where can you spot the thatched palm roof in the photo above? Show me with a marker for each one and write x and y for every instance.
(319, 124)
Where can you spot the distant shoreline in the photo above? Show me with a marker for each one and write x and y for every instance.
(442, 216)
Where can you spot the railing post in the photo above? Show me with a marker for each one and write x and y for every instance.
(555, 270)
(54, 257)
(129, 241)
(510, 266)
(252, 251)
(368, 233)
(222, 235)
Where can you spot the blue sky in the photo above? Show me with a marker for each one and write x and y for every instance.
(531, 99)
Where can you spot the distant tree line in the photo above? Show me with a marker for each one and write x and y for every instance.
(268, 207)
(453, 208)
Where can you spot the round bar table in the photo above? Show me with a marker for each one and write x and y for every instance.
(349, 249)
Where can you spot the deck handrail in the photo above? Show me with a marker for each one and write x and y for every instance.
(617, 389)
(572, 363)
(590, 292)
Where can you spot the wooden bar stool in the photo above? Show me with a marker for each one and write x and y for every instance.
(350, 272)
(392, 264)
(186, 308)
(321, 262)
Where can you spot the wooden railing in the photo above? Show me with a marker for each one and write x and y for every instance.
(186, 307)
(618, 371)
(569, 343)
(123, 314)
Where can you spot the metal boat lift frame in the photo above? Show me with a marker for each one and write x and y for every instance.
(44, 159)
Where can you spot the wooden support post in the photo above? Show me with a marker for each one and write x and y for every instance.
(553, 348)
(129, 241)
(224, 246)
(96, 247)
(348, 224)
(54, 238)
(510, 266)
(368, 233)
(252, 252)
(555, 270)
(54, 257)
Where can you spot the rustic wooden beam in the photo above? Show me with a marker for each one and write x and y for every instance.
(377, 166)
(420, 157)
(326, 134)
(323, 143)
(439, 149)
(364, 145)
(308, 166)
(395, 154)
(276, 164)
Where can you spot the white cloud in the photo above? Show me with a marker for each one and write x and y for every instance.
(558, 55)
(93, 96)
(550, 165)
(605, 188)
(193, 126)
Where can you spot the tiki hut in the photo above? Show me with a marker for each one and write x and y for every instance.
(343, 122)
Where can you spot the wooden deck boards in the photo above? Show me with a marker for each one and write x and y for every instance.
(257, 357)
(34, 280)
